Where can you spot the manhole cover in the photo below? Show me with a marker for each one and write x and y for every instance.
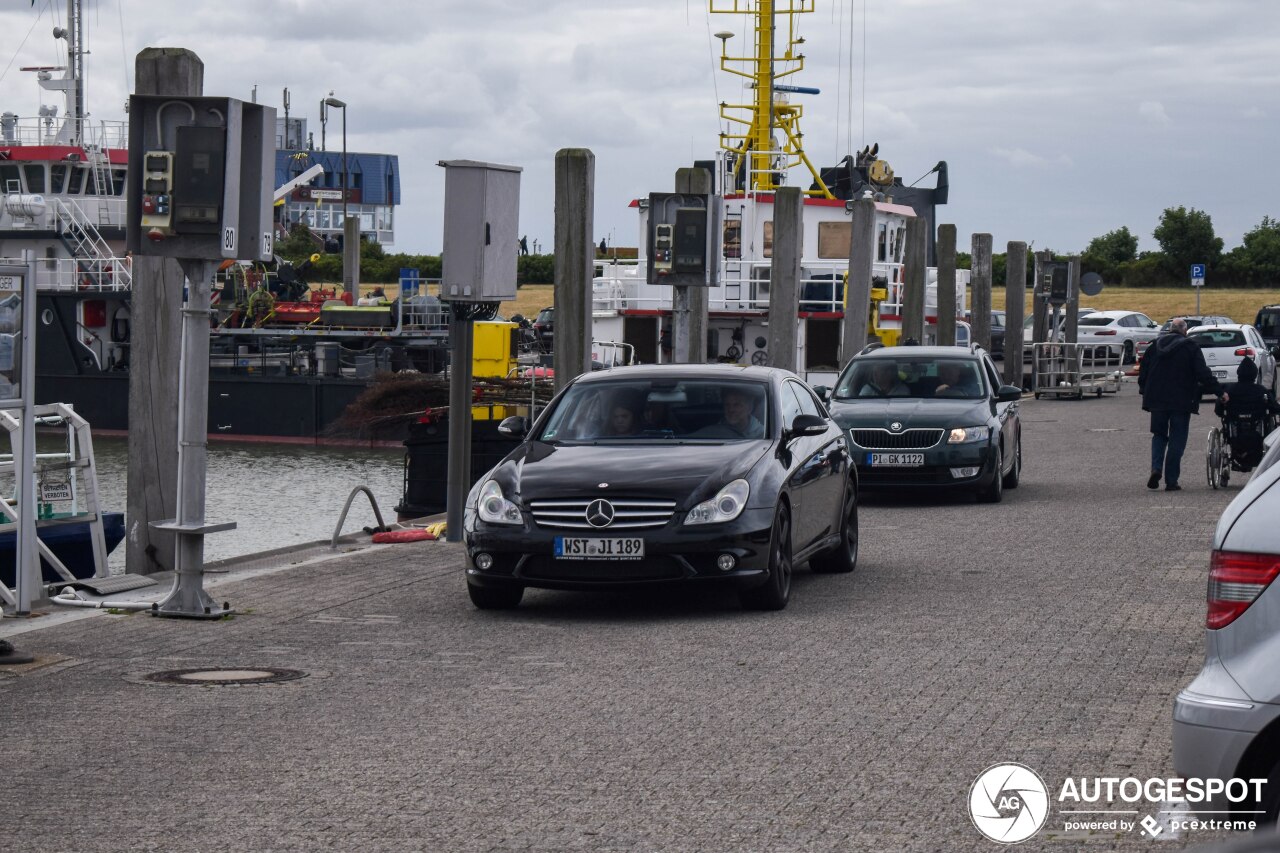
(225, 676)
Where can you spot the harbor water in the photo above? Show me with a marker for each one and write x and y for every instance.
(278, 494)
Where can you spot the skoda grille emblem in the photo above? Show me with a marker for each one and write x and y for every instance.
(895, 426)
(600, 513)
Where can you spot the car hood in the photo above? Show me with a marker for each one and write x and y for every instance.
(911, 412)
(685, 473)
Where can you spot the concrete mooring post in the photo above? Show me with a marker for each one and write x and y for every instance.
(575, 262)
(857, 297)
(689, 303)
(1015, 297)
(980, 285)
(154, 353)
(913, 288)
(784, 277)
(946, 285)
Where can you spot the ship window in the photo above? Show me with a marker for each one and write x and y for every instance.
(768, 238)
(75, 180)
(898, 239)
(882, 250)
(35, 178)
(58, 178)
(90, 182)
(834, 239)
(117, 181)
(9, 181)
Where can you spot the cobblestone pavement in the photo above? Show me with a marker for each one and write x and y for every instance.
(1053, 629)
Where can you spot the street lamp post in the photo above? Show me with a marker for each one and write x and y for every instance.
(347, 250)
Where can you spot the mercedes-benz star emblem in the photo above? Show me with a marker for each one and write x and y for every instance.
(895, 426)
(600, 513)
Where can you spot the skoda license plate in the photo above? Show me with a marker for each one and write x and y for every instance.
(892, 460)
(618, 548)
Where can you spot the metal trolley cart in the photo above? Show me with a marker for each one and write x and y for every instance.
(1073, 370)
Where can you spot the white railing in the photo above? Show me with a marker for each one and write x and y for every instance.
(86, 274)
(55, 131)
(102, 211)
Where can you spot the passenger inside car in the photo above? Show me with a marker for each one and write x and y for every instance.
(956, 380)
(738, 418)
(883, 381)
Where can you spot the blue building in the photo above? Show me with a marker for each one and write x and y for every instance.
(373, 191)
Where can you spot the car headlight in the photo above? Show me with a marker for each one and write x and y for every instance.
(725, 506)
(494, 506)
(967, 435)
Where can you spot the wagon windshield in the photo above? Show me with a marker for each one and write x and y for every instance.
(660, 410)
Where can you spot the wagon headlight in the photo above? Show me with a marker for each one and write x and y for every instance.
(968, 435)
(494, 506)
(725, 506)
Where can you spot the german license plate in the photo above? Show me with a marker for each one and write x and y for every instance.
(617, 548)
(895, 460)
(1220, 374)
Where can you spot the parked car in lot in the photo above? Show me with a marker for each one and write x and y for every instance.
(1226, 345)
(997, 333)
(544, 326)
(663, 473)
(930, 417)
(1268, 324)
(1119, 331)
(1226, 723)
(1193, 320)
(1028, 329)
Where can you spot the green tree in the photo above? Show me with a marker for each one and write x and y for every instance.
(1186, 237)
(1105, 254)
(1256, 262)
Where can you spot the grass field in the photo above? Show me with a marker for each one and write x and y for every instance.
(1157, 303)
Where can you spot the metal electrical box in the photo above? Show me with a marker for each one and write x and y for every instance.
(481, 222)
(201, 178)
(1058, 283)
(679, 239)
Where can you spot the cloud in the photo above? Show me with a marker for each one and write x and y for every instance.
(1020, 157)
(1252, 112)
(1153, 111)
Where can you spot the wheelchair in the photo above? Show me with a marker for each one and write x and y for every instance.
(1235, 445)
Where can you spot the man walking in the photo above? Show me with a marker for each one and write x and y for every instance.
(1171, 379)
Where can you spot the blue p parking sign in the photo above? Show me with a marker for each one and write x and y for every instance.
(1197, 275)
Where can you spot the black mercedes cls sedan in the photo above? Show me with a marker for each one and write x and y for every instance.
(930, 417)
(666, 473)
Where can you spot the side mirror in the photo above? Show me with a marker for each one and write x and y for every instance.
(1275, 351)
(1008, 394)
(823, 392)
(514, 426)
(806, 425)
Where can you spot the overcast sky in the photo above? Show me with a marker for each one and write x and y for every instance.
(1059, 121)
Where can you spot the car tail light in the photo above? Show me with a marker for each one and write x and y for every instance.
(1247, 352)
(1236, 580)
(1105, 332)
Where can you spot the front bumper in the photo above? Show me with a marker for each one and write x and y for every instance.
(936, 470)
(525, 555)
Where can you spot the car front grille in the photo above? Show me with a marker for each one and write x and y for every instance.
(628, 514)
(658, 567)
(882, 439)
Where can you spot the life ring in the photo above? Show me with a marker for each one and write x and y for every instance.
(415, 535)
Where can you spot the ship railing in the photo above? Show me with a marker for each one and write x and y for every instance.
(109, 275)
(51, 130)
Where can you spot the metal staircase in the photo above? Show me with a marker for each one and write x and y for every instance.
(97, 266)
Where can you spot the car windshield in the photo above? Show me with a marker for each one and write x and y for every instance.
(911, 376)
(1095, 321)
(545, 315)
(660, 410)
(1210, 338)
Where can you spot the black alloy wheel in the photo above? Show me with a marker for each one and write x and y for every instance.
(774, 593)
(995, 492)
(843, 558)
(1015, 473)
(495, 597)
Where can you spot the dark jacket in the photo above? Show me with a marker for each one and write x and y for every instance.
(1173, 375)
(1246, 397)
